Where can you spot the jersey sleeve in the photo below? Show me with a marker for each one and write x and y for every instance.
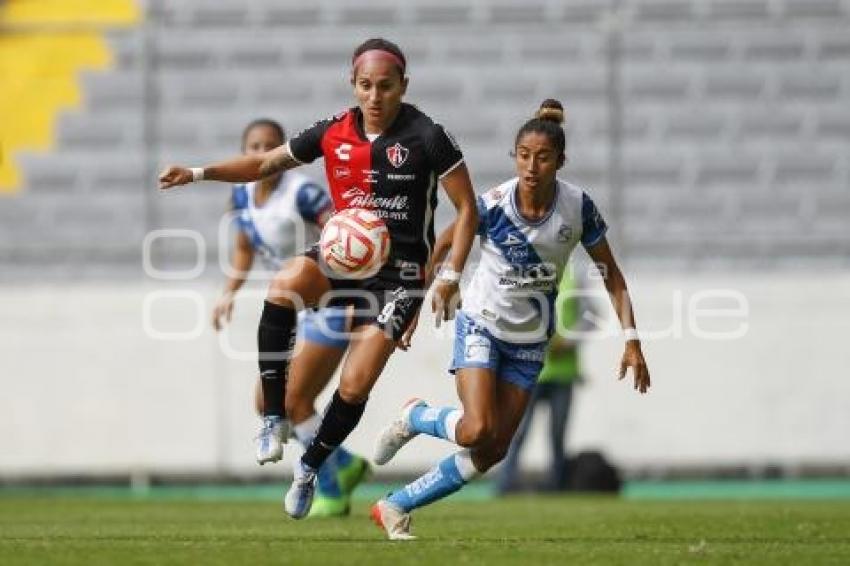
(443, 151)
(306, 145)
(593, 226)
(313, 203)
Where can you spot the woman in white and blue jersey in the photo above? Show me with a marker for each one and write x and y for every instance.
(278, 217)
(528, 227)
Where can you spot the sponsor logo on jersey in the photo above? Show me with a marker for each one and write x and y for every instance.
(534, 277)
(342, 172)
(516, 253)
(393, 208)
(512, 240)
(398, 177)
(565, 233)
(370, 176)
(397, 155)
(343, 151)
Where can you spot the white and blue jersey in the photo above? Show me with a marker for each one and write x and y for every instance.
(286, 224)
(508, 307)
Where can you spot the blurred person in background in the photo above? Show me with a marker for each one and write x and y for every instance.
(274, 217)
(528, 227)
(561, 370)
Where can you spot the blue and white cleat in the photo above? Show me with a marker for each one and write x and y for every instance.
(299, 498)
(396, 435)
(271, 439)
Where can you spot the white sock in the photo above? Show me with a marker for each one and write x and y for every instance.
(306, 430)
(463, 461)
(451, 425)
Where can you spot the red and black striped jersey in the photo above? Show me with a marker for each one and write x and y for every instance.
(395, 175)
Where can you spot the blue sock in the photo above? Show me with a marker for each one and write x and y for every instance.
(441, 481)
(435, 421)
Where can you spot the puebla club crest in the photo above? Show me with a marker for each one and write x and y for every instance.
(397, 155)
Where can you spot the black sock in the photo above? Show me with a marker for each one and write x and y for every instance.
(275, 340)
(339, 420)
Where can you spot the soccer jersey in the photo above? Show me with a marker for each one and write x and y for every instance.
(289, 220)
(395, 174)
(512, 292)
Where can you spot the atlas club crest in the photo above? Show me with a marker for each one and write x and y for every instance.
(397, 155)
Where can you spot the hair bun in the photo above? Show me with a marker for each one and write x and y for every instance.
(552, 110)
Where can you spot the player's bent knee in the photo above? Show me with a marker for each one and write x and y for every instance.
(353, 393)
(474, 432)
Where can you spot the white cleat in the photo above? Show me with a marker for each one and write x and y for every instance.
(270, 440)
(396, 435)
(299, 498)
(393, 520)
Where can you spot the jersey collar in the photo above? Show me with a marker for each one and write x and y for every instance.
(361, 131)
(549, 212)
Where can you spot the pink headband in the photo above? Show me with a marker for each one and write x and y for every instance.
(378, 54)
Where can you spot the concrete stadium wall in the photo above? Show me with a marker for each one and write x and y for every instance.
(88, 391)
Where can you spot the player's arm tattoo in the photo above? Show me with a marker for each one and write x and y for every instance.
(278, 160)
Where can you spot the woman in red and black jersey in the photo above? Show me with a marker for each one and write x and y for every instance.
(387, 156)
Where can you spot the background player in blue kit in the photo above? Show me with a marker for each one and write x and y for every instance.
(278, 217)
(528, 226)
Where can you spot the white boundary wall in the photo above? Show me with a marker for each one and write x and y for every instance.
(87, 391)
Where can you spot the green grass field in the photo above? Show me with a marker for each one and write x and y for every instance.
(528, 530)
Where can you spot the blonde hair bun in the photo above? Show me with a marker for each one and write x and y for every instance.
(552, 110)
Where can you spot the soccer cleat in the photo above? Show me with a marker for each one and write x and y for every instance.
(299, 498)
(270, 440)
(349, 476)
(396, 435)
(393, 520)
(324, 506)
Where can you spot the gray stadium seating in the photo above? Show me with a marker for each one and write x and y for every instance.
(734, 136)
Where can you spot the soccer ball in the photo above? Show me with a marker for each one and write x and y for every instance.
(355, 243)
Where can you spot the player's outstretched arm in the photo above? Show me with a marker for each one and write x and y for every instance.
(615, 284)
(240, 169)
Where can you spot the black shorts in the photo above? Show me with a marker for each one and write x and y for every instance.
(389, 300)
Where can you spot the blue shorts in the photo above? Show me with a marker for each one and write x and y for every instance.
(475, 347)
(327, 327)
